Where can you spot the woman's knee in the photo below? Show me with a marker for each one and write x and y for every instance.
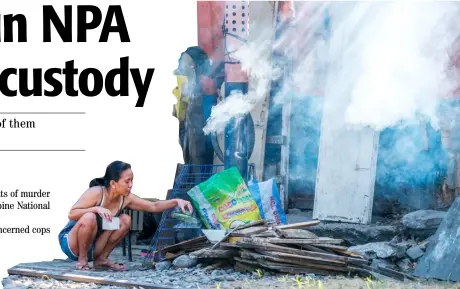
(125, 222)
(88, 220)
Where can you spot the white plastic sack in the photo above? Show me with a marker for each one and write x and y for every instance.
(268, 200)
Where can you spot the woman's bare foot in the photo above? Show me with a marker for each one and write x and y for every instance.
(83, 267)
(109, 265)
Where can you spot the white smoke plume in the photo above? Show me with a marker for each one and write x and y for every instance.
(397, 62)
(385, 62)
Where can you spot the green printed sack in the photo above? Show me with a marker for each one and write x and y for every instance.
(224, 201)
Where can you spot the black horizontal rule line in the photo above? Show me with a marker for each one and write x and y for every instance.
(41, 150)
(40, 112)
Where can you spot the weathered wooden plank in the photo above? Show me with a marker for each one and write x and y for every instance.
(246, 261)
(253, 224)
(245, 254)
(209, 253)
(318, 241)
(292, 269)
(330, 246)
(185, 244)
(347, 253)
(172, 256)
(229, 245)
(314, 249)
(286, 256)
(245, 267)
(299, 225)
(248, 231)
(296, 234)
(385, 272)
(72, 276)
(266, 234)
(288, 250)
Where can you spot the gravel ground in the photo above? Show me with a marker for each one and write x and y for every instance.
(220, 278)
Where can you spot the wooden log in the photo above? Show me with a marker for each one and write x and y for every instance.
(72, 276)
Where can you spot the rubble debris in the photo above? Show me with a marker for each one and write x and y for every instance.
(375, 250)
(161, 266)
(441, 258)
(185, 261)
(405, 265)
(422, 223)
(288, 249)
(415, 253)
(376, 263)
(356, 234)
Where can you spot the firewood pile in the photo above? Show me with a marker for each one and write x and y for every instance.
(287, 249)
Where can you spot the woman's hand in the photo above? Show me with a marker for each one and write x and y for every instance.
(104, 213)
(182, 204)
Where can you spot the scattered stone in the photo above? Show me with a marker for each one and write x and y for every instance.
(424, 245)
(441, 258)
(185, 261)
(415, 253)
(374, 250)
(422, 223)
(404, 265)
(395, 240)
(382, 262)
(423, 219)
(400, 249)
(406, 244)
(219, 278)
(161, 266)
(217, 272)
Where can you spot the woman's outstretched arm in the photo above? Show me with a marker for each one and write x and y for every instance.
(138, 204)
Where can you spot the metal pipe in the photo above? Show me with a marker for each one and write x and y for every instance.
(236, 31)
